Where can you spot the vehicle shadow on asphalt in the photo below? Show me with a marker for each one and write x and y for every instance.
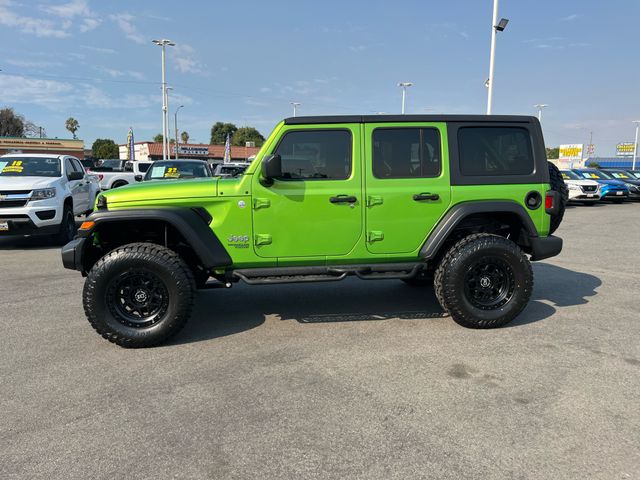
(223, 312)
(559, 286)
(39, 242)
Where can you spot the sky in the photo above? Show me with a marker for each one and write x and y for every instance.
(245, 61)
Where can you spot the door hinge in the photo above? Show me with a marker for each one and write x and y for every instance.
(373, 200)
(261, 203)
(375, 236)
(262, 239)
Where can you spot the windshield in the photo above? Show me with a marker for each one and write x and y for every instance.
(29, 167)
(594, 175)
(635, 172)
(180, 169)
(621, 175)
(569, 175)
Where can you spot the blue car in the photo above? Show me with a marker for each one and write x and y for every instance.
(610, 188)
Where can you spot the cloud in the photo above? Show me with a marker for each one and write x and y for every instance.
(115, 73)
(570, 18)
(34, 26)
(183, 55)
(69, 11)
(33, 63)
(125, 23)
(98, 49)
(358, 48)
(17, 89)
(89, 24)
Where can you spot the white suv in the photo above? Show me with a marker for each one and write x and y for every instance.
(581, 190)
(42, 193)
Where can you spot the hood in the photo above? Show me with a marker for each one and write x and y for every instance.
(26, 183)
(583, 183)
(160, 190)
(605, 181)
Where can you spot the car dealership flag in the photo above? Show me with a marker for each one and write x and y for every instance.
(227, 150)
(131, 154)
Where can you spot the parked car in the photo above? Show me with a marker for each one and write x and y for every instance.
(227, 170)
(629, 178)
(118, 173)
(41, 194)
(581, 190)
(610, 188)
(375, 196)
(175, 169)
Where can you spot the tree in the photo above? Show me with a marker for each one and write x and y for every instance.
(158, 139)
(72, 125)
(247, 134)
(219, 132)
(553, 153)
(11, 124)
(593, 165)
(105, 148)
(184, 136)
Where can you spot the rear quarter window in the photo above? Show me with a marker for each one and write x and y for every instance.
(495, 151)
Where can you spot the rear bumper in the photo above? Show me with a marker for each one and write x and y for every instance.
(545, 247)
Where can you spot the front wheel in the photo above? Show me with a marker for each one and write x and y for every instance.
(67, 227)
(484, 281)
(139, 295)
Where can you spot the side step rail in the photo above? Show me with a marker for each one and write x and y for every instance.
(277, 275)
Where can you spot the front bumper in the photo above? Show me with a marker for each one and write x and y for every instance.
(72, 254)
(545, 247)
(24, 225)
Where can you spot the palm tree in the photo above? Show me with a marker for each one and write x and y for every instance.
(72, 125)
(184, 136)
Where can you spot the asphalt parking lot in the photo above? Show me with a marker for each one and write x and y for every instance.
(345, 380)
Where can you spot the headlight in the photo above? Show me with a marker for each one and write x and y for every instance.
(573, 187)
(43, 193)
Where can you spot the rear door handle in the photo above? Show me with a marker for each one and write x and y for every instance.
(426, 196)
(343, 199)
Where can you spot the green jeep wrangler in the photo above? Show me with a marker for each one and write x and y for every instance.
(457, 201)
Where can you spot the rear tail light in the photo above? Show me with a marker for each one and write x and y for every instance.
(552, 202)
(548, 201)
(100, 177)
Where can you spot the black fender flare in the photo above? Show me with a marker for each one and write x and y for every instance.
(191, 223)
(459, 212)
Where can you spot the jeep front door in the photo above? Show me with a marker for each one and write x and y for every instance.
(406, 184)
(315, 208)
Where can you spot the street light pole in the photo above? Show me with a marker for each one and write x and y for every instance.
(165, 120)
(635, 145)
(540, 106)
(295, 107)
(168, 127)
(175, 124)
(404, 86)
(496, 26)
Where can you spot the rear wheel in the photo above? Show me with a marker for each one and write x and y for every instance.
(557, 184)
(119, 184)
(484, 281)
(139, 295)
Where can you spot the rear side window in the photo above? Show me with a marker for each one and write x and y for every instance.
(315, 155)
(406, 153)
(487, 151)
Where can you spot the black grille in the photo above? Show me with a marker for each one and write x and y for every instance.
(12, 203)
(14, 192)
(590, 188)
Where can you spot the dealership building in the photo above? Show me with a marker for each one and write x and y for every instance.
(212, 153)
(54, 146)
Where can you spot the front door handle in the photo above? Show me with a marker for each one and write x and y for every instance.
(343, 199)
(426, 196)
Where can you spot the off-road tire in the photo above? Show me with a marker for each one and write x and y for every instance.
(557, 184)
(452, 274)
(67, 227)
(103, 307)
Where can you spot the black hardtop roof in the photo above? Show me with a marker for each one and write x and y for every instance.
(324, 119)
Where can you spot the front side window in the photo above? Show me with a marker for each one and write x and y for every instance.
(406, 153)
(315, 155)
(491, 151)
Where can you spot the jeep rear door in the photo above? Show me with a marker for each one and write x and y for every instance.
(407, 186)
(315, 208)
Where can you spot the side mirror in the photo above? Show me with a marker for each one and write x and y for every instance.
(75, 176)
(138, 178)
(271, 168)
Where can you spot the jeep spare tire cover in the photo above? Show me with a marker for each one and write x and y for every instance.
(557, 184)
